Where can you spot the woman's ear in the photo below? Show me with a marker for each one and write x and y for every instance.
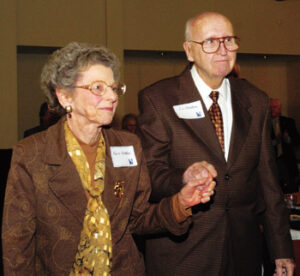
(63, 97)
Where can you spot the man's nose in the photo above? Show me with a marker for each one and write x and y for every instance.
(222, 49)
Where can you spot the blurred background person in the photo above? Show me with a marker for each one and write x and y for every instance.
(286, 142)
(47, 118)
(129, 122)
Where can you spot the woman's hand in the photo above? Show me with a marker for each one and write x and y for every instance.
(199, 184)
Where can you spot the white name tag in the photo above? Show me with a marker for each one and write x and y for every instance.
(123, 156)
(192, 110)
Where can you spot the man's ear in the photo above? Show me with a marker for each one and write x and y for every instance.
(63, 97)
(187, 49)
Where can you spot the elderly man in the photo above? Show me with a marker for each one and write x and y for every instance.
(201, 115)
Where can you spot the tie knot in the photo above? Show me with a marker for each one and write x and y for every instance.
(214, 95)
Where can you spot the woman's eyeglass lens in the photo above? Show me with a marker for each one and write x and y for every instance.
(100, 87)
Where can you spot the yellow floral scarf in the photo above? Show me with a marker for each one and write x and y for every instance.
(94, 251)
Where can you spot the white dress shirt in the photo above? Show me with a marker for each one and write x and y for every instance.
(224, 102)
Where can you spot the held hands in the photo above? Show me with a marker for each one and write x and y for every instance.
(198, 184)
(284, 267)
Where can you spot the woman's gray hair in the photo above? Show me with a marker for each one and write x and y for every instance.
(65, 64)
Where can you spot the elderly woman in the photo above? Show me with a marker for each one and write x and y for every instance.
(78, 191)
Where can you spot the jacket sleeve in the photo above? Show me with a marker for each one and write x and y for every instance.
(275, 217)
(19, 225)
(156, 140)
(149, 218)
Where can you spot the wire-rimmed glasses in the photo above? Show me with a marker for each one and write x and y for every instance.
(100, 87)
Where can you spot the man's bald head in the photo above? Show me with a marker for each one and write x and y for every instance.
(199, 20)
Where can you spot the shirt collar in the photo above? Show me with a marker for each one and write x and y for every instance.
(205, 90)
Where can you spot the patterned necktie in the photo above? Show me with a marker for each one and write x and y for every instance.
(216, 117)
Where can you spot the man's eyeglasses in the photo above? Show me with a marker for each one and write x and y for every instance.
(212, 45)
(99, 88)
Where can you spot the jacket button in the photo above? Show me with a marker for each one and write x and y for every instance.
(227, 176)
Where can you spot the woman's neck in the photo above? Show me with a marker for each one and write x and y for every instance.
(86, 133)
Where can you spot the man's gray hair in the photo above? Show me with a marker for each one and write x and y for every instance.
(187, 34)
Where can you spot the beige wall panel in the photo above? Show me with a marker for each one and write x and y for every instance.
(270, 27)
(8, 75)
(157, 25)
(141, 71)
(57, 22)
(264, 26)
(30, 95)
(267, 73)
(114, 41)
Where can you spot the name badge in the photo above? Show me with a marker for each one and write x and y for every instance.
(123, 156)
(192, 110)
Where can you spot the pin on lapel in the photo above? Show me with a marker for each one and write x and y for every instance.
(119, 188)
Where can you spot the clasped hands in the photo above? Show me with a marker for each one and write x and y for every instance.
(284, 267)
(199, 184)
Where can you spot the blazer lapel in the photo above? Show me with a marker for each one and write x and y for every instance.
(64, 180)
(240, 124)
(202, 128)
(113, 176)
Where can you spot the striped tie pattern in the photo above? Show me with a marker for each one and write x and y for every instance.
(216, 117)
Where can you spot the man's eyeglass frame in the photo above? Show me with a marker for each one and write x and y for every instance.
(220, 40)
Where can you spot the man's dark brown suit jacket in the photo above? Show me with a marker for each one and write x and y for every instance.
(45, 205)
(247, 191)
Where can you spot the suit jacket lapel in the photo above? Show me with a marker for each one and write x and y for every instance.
(202, 128)
(64, 180)
(241, 122)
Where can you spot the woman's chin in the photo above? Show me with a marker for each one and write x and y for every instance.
(105, 122)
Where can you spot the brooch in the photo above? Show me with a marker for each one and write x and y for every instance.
(119, 188)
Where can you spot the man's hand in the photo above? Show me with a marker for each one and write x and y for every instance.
(198, 184)
(284, 267)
